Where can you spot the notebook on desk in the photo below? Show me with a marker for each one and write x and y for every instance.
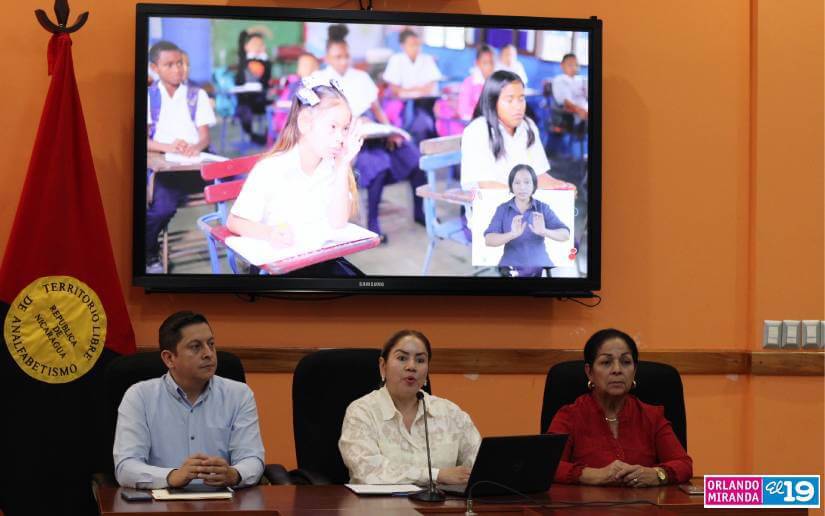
(321, 244)
(193, 491)
(525, 463)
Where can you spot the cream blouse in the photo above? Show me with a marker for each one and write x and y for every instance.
(378, 449)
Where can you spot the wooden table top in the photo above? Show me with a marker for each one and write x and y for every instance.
(337, 499)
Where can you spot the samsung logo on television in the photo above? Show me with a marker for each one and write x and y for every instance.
(370, 283)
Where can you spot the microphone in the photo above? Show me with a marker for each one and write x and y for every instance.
(431, 494)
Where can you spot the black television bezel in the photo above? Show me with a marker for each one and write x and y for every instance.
(452, 285)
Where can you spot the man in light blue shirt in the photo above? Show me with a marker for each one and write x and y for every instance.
(188, 424)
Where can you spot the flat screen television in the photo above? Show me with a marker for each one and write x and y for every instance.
(304, 150)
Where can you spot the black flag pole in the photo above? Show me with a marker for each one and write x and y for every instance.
(61, 11)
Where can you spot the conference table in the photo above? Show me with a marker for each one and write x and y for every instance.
(270, 500)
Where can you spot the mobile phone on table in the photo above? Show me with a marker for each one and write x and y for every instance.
(135, 495)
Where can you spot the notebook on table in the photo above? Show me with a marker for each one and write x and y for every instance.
(194, 491)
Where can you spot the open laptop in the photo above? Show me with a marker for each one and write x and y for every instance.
(526, 463)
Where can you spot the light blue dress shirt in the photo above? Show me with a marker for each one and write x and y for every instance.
(157, 429)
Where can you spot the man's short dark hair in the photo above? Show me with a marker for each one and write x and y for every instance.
(161, 46)
(569, 56)
(170, 330)
(405, 34)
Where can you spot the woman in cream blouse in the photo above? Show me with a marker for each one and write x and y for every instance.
(382, 438)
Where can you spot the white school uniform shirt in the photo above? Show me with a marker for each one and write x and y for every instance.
(175, 121)
(569, 88)
(277, 191)
(476, 76)
(478, 162)
(517, 68)
(359, 89)
(378, 449)
(402, 71)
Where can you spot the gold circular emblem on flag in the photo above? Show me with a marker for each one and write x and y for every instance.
(55, 329)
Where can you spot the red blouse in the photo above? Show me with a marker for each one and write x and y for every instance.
(645, 438)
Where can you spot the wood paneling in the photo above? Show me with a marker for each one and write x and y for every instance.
(538, 361)
(788, 363)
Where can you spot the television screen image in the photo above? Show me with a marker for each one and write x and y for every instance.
(286, 149)
(534, 241)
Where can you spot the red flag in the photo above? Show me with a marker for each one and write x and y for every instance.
(60, 234)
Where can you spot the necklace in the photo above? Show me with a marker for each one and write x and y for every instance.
(611, 419)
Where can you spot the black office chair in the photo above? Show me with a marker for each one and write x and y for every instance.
(323, 385)
(656, 384)
(127, 370)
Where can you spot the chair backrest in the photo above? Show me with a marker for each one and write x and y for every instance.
(323, 386)
(223, 192)
(226, 185)
(127, 370)
(228, 168)
(440, 152)
(656, 384)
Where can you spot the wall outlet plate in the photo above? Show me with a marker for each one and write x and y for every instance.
(771, 334)
(790, 334)
(810, 337)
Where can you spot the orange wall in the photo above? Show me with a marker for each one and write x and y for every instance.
(712, 218)
(657, 267)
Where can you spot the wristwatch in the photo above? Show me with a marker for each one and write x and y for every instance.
(661, 474)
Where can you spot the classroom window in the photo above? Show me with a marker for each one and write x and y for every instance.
(581, 47)
(553, 44)
(445, 37)
(527, 41)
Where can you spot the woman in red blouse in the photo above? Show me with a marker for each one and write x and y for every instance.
(615, 439)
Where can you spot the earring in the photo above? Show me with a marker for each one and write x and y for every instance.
(633, 385)
(383, 381)
(590, 385)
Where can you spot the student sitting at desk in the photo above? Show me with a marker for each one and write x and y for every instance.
(470, 90)
(412, 75)
(382, 437)
(508, 61)
(253, 68)
(453, 113)
(179, 117)
(381, 160)
(306, 65)
(188, 424)
(304, 187)
(570, 89)
(521, 225)
(501, 136)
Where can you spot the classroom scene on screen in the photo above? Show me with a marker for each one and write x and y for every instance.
(436, 151)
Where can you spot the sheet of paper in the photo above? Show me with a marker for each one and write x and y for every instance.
(376, 130)
(203, 157)
(248, 87)
(260, 252)
(164, 494)
(382, 489)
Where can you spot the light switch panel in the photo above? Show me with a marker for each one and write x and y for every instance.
(790, 334)
(810, 337)
(771, 334)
